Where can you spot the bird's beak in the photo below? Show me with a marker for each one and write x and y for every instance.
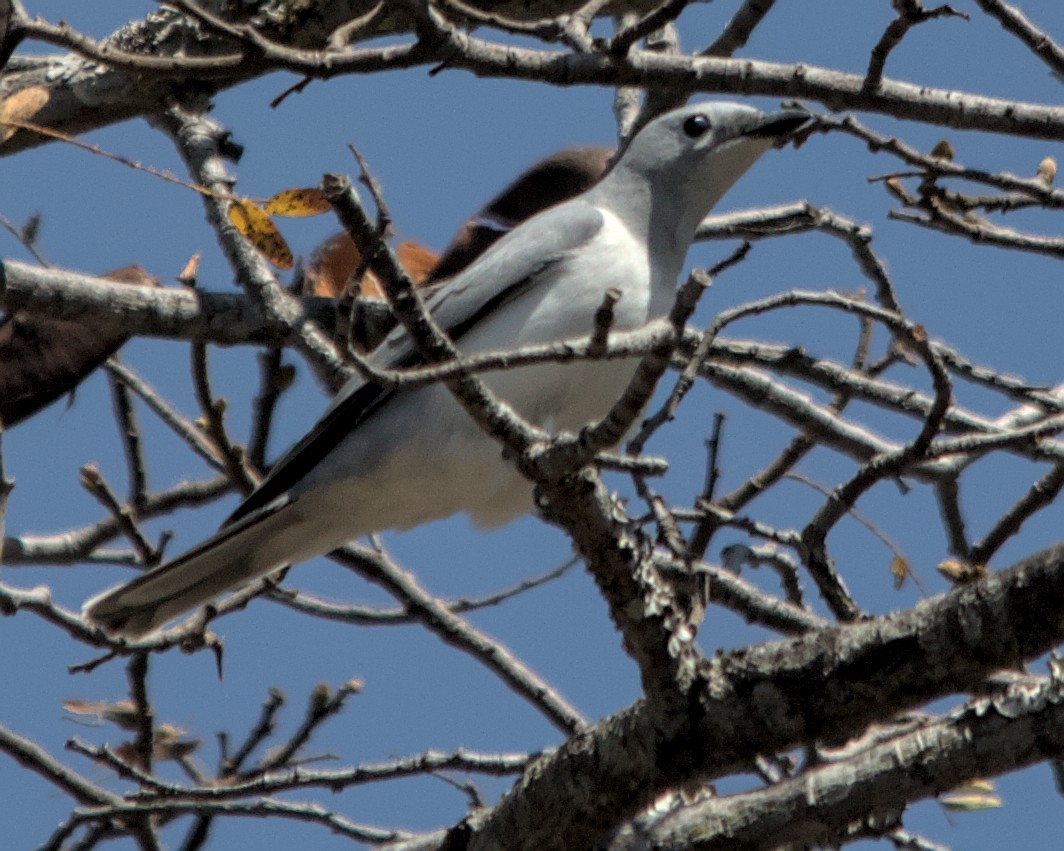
(778, 124)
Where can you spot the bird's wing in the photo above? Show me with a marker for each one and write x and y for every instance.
(523, 259)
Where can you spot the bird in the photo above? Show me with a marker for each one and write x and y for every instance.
(333, 265)
(384, 458)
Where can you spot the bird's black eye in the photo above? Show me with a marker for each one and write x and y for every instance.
(696, 125)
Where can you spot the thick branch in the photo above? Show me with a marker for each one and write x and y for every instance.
(820, 807)
(775, 696)
(119, 95)
(185, 314)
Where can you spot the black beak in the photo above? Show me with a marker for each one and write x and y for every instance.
(779, 124)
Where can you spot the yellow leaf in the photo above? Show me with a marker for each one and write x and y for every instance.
(899, 569)
(970, 803)
(21, 106)
(298, 202)
(253, 222)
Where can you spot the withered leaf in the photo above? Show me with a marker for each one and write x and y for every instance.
(42, 359)
(258, 228)
(297, 203)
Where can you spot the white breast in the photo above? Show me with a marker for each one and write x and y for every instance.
(422, 456)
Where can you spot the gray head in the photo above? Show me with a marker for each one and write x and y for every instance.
(681, 163)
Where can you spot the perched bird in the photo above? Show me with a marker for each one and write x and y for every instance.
(332, 267)
(392, 459)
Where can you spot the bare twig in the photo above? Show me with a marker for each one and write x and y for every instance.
(667, 12)
(739, 29)
(95, 484)
(144, 743)
(1041, 494)
(366, 616)
(40, 762)
(214, 416)
(1016, 22)
(910, 13)
(437, 617)
(129, 431)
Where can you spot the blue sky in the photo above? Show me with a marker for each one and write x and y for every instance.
(441, 146)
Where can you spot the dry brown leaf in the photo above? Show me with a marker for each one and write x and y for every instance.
(334, 262)
(943, 151)
(167, 744)
(21, 106)
(121, 713)
(330, 266)
(42, 358)
(896, 188)
(417, 262)
(187, 276)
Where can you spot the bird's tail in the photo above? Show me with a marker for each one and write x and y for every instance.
(236, 554)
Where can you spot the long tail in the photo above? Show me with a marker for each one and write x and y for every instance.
(252, 547)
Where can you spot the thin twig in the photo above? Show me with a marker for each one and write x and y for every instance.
(214, 416)
(1014, 21)
(129, 432)
(910, 14)
(366, 616)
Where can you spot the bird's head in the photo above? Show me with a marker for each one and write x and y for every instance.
(684, 161)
